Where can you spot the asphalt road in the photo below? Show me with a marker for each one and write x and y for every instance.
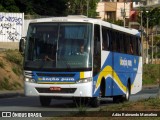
(22, 103)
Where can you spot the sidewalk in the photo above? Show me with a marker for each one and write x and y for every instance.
(9, 94)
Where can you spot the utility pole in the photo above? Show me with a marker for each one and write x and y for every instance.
(152, 48)
(147, 40)
(124, 15)
(159, 82)
(142, 36)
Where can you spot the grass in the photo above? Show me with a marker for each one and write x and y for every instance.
(13, 64)
(17, 70)
(2, 64)
(151, 74)
(152, 105)
(14, 56)
(6, 85)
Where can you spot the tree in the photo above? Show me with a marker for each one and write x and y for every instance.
(50, 7)
(153, 16)
(8, 5)
(80, 7)
(35, 7)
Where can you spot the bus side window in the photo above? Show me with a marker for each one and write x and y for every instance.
(121, 43)
(139, 47)
(131, 45)
(113, 41)
(125, 43)
(105, 38)
(117, 36)
(134, 45)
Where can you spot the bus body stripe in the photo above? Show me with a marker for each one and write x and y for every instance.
(114, 77)
(81, 75)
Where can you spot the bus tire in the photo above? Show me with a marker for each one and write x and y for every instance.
(95, 102)
(45, 101)
(127, 95)
(122, 98)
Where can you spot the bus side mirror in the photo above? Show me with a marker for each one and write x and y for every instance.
(22, 45)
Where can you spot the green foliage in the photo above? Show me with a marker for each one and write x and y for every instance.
(14, 56)
(17, 71)
(156, 41)
(2, 64)
(5, 85)
(35, 7)
(50, 7)
(9, 5)
(153, 16)
(79, 7)
(151, 73)
(118, 22)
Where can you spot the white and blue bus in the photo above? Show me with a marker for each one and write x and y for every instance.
(77, 57)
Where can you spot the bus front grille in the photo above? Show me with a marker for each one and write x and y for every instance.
(63, 90)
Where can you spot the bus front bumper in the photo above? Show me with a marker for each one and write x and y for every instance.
(59, 90)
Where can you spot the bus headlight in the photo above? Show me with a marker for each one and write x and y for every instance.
(29, 80)
(85, 80)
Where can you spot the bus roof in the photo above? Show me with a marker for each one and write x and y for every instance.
(80, 18)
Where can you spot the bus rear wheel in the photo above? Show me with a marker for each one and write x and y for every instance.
(45, 101)
(122, 98)
(127, 95)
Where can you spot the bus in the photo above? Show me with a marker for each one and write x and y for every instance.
(80, 57)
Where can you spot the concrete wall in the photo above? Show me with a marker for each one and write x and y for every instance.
(9, 45)
(11, 28)
(116, 7)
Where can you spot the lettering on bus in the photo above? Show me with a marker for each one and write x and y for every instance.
(57, 79)
(126, 63)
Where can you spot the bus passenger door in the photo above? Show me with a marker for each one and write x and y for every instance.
(96, 59)
(106, 62)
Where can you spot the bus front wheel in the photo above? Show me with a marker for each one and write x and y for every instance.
(45, 101)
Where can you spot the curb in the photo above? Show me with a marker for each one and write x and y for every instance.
(150, 86)
(10, 94)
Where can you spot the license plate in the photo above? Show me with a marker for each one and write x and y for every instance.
(55, 88)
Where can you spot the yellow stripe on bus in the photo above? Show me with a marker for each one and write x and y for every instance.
(114, 75)
(81, 75)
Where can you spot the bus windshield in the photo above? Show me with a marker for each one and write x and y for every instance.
(58, 45)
